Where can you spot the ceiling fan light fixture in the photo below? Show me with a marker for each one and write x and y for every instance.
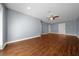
(51, 18)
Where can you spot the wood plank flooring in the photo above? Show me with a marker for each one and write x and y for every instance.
(46, 45)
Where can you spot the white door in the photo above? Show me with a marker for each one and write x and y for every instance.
(49, 28)
(61, 28)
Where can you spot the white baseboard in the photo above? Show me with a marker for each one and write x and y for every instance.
(23, 39)
(31, 38)
(71, 34)
(64, 34)
(1, 48)
(4, 45)
(77, 36)
(44, 33)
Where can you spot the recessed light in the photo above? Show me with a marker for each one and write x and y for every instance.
(28, 8)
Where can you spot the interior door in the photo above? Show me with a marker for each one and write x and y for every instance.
(61, 28)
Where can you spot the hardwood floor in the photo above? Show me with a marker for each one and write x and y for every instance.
(46, 45)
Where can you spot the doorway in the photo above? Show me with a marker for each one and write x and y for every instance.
(61, 28)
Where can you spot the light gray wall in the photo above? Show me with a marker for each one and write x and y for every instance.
(22, 26)
(18, 26)
(71, 27)
(4, 25)
(77, 26)
(54, 28)
(44, 27)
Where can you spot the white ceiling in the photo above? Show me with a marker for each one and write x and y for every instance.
(66, 11)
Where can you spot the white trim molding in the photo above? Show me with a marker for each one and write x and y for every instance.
(44, 33)
(1, 48)
(4, 45)
(23, 39)
(64, 34)
(61, 28)
(31, 38)
(77, 36)
(49, 28)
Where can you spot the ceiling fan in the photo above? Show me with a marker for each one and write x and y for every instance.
(51, 17)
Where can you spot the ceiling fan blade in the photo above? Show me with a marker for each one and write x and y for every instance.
(55, 17)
